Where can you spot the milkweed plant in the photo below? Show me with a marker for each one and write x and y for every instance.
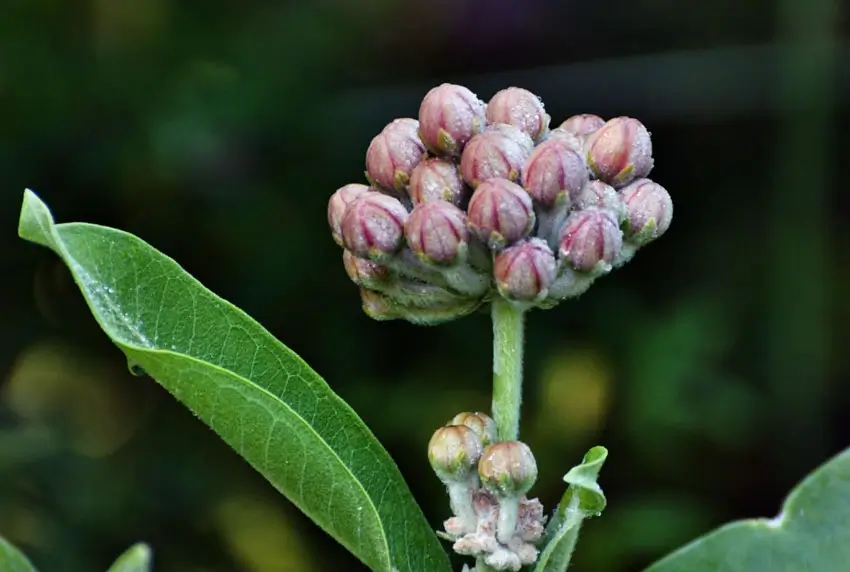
(471, 206)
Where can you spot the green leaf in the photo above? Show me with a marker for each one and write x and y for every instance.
(582, 499)
(136, 559)
(258, 395)
(12, 559)
(811, 533)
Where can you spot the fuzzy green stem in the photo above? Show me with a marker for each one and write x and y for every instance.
(508, 342)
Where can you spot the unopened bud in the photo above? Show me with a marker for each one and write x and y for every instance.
(338, 204)
(393, 154)
(436, 179)
(492, 154)
(383, 306)
(520, 108)
(364, 272)
(620, 151)
(570, 139)
(590, 240)
(649, 211)
(373, 226)
(378, 306)
(481, 423)
(436, 232)
(554, 169)
(582, 124)
(525, 270)
(454, 451)
(513, 133)
(507, 469)
(448, 117)
(602, 195)
(500, 213)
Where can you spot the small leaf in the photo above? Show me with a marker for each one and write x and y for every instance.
(12, 559)
(811, 533)
(258, 395)
(136, 559)
(582, 499)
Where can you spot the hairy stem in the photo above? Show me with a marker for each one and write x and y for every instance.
(508, 342)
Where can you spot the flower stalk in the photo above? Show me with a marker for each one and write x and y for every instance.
(508, 341)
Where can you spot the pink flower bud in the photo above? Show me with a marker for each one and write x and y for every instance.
(620, 151)
(507, 469)
(514, 133)
(553, 169)
(604, 196)
(436, 179)
(649, 211)
(393, 154)
(520, 108)
(448, 117)
(481, 423)
(571, 139)
(500, 213)
(582, 124)
(338, 204)
(590, 239)
(364, 272)
(436, 232)
(525, 270)
(453, 452)
(373, 226)
(492, 155)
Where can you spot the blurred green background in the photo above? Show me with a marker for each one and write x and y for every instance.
(714, 366)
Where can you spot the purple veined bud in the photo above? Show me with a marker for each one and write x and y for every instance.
(454, 451)
(393, 154)
(449, 116)
(436, 179)
(492, 155)
(590, 240)
(507, 469)
(570, 139)
(524, 271)
(602, 195)
(520, 108)
(436, 232)
(364, 272)
(373, 226)
(338, 204)
(620, 151)
(514, 133)
(649, 211)
(500, 213)
(554, 170)
(582, 124)
(481, 423)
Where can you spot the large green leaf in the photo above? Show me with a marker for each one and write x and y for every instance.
(12, 559)
(582, 499)
(811, 533)
(259, 396)
(136, 559)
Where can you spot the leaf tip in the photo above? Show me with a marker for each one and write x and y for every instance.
(36, 221)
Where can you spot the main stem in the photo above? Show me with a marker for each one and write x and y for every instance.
(508, 340)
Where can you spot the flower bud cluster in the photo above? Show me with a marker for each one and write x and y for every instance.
(473, 200)
(487, 482)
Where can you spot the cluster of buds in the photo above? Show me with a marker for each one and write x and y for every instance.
(474, 200)
(487, 482)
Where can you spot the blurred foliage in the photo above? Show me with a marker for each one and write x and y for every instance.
(711, 367)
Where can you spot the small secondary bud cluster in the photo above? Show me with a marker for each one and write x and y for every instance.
(487, 482)
(474, 200)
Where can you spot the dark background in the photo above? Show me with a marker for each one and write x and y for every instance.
(714, 366)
